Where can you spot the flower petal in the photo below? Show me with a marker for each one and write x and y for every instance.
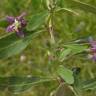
(23, 23)
(10, 19)
(20, 33)
(9, 28)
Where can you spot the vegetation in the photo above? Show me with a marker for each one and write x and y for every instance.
(56, 54)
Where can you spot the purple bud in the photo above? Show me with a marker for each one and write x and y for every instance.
(93, 49)
(10, 28)
(10, 19)
(23, 23)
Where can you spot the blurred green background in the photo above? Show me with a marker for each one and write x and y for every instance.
(34, 60)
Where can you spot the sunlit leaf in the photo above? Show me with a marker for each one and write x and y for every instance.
(64, 54)
(66, 74)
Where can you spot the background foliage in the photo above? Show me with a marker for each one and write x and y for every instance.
(35, 59)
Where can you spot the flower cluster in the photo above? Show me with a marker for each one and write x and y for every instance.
(16, 24)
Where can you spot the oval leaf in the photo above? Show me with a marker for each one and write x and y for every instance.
(66, 74)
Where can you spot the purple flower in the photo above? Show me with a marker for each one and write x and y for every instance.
(92, 49)
(94, 57)
(93, 45)
(16, 24)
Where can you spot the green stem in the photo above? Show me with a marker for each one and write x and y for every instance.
(74, 90)
(50, 21)
(51, 31)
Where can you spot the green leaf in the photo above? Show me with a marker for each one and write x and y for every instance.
(36, 20)
(89, 84)
(76, 48)
(66, 10)
(11, 45)
(66, 74)
(83, 6)
(71, 49)
(64, 54)
(18, 84)
(36, 4)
